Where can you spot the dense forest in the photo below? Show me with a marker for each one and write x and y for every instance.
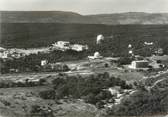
(90, 88)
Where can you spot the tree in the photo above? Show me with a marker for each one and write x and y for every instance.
(47, 94)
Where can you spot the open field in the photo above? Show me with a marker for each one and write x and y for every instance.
(81, 67)
(19, 103)
(32, 50)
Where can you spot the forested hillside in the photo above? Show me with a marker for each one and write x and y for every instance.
(72, 17)
(117, 38)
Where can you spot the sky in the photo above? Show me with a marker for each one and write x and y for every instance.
(86, 6)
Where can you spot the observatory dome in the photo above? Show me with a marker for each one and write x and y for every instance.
(100, 38)
(96, 54)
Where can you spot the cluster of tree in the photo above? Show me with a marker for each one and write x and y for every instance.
(142, 103)
(125, 60)
(25, 64)
(27, 83)
(92, 89)
(37, 111)
(31, 63)
(55, 68)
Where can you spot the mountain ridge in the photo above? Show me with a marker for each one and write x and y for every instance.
(44, 17)
(132, 18)
(73, 17)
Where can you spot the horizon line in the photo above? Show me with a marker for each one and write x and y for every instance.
(84, 14)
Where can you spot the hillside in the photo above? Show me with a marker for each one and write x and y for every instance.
(44, 17)
(117, 38)
(72, 17)
(132, 18)
(149, 100)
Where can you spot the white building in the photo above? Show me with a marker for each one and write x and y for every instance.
(96, 56)
(4, 55)
(148, 43)
(62, 45)
(130, 52)
(65, 45)
(100, 38)
(44, 62)
(78, 47)
(129, 46)
(159, 51)
(141, 64)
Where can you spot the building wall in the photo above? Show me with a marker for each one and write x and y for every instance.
(139, 64)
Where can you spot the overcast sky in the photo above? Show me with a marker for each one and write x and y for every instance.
(87, 6)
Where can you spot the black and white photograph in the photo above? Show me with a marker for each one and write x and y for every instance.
(83, 58)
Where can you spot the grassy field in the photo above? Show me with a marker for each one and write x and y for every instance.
(82, 67)
(18, 102)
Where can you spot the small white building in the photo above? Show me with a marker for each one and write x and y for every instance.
(96, 56)
(4, 55)
(148, 43)
(141, 64)
(62, 45)
(159, 51)
(100, 38)
(44, 62)
(114, 90)
(130, 52)
(129, 46)
(65, 45)
(78, 47)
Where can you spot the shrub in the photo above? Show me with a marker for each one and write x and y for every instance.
(91, 88)
(125, 60)
(42, 81)
(35, 109)
(47, 94)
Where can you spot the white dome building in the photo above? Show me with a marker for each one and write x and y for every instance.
(96, 54)
(100, 38)
(129, 46)
(130, 52)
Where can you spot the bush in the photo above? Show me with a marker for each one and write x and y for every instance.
(91, 88)
(42, 81)
(35, 109)
(125, 61)
(47, 94)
